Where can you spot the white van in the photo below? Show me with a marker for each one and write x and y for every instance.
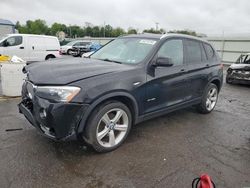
(30, 47)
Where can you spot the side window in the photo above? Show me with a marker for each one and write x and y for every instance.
(14, 41)
(172, 49)
(193, 51)
(209, 51)
(77, 44)
(247, 60)
(203, 53)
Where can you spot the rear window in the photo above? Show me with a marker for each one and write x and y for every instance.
(209, 51)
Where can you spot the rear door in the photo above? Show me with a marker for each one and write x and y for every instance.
(167, 86)
(197, 67)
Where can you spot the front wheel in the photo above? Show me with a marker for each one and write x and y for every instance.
(229, 80)
(209, 99)
(108, 126)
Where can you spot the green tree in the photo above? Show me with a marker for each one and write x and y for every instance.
(132, 31)
(56, 27)
(37, 27)
(96, 31)
(152, 30)
(117, 32)
(88, 31)
(186, 32)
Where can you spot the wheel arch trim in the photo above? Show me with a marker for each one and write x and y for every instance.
(100, 100)
(216, 78)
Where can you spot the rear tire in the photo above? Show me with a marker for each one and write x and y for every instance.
(48, 57)
(108, 126)
(209, 99)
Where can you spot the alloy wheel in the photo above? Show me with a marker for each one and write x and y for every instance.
(211, 99)
(112, 127)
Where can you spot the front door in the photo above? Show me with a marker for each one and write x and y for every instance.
(14, 45)
(167, 86)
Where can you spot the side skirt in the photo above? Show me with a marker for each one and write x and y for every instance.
(167, 110)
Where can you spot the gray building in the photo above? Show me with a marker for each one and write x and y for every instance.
(231, 47)
(6, 27)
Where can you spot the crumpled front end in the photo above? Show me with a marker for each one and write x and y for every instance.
(58, 121)
(241, 75)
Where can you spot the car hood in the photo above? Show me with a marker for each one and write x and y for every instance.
(65, 71)
(240, 66)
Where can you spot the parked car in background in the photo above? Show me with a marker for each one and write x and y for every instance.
(131, 79)
(239, 72)
(91, 47)
(30, 48)
(69, 48)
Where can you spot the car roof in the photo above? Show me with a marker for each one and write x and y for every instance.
(162, 36)
(18, 34)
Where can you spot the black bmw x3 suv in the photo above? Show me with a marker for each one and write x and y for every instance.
(131, 79)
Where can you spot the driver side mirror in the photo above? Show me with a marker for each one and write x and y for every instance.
(163, 62)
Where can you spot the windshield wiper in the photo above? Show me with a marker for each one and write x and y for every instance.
(109, 60)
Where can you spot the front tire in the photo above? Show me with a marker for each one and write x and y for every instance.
(108, 126)
(228, 80)
(209, 99)
(69, 52)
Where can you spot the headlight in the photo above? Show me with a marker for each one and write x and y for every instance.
(57, 93)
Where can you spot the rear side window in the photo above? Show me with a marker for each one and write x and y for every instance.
(172, 49)
(209, 51)
(193, 51)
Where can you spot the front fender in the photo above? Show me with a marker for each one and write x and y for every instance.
(102, 99)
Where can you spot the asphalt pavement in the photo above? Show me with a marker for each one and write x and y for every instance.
(169, 151)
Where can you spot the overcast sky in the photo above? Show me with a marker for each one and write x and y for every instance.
(210, 16)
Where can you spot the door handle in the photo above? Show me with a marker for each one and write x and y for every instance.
(21, 47)
(207, 65)
(183, 70)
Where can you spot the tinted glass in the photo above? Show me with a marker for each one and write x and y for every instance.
(193, 50)
(77, 44)
(203, 53)
(172, 49)
(85, 43)
(14, 41)
(209, 51)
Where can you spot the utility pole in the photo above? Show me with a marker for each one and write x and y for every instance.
(104, 29)
(156, 26)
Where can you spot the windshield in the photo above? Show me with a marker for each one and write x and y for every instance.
(71, 43)
(243, 59)
(125, 50)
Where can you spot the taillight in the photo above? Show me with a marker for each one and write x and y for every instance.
(221, 66)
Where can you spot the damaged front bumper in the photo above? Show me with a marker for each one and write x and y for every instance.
(58, 121)
(240, 76)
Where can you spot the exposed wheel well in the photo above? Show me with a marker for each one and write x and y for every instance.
(217, 83)
(50, 56)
